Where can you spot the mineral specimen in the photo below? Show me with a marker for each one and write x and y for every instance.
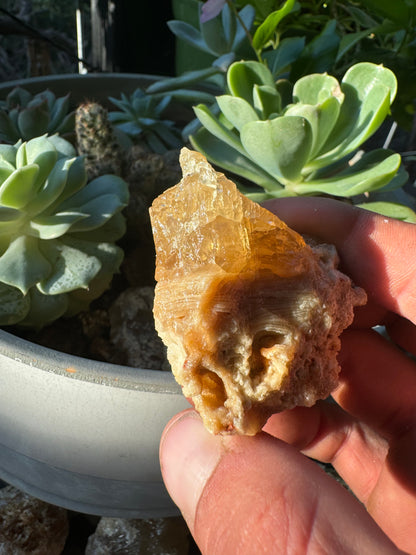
(251, 314)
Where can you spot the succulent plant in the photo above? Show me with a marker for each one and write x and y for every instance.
(140, 116)
(25, 116)
(96, 140)
(57, 231)
(302, 139)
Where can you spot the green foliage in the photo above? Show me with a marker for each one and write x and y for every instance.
(57, 231)
(302, 139)
(140, 116)
(224, 37)
(25, 116)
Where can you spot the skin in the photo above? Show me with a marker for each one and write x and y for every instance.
(254, 495)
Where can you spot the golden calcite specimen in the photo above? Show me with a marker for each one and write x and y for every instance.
(250, 313)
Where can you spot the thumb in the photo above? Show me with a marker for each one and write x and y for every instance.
(254, 495)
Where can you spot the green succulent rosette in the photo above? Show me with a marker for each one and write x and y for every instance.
(25, 116)
(304, 138)
(57, 231)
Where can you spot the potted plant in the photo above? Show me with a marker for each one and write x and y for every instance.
(82, 433)
(79, 433)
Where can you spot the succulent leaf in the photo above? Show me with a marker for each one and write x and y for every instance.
(25, 117)
(300, 139)
(56, 231)
(23, 265)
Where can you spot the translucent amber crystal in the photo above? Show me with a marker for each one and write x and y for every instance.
(250, 313)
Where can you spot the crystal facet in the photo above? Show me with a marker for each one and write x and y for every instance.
(251, 314)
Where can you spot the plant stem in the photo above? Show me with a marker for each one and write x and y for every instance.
(232, 7)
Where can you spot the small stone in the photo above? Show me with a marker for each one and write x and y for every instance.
(159, 536)
(29, 526)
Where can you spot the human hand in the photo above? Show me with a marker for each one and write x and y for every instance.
(249, 495)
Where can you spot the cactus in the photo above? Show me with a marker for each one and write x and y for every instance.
(57, 231)
(25, 116)
(96, 140)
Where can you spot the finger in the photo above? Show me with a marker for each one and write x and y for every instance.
(250, 495)
(326, 433)
(375, 251)
(377, 382)
(382, 475)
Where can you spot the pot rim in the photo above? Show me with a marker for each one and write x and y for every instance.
(84, 369)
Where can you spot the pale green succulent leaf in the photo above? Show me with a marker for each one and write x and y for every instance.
(375, 170)
(281, 146)
(216, 128)
(76, 178)
(63, 147)
(67, 124)
(52, 187)
(72, 268)
(212, 33)
(21, 157)
(242, 76)
(8, 154)
(365, 75)
(236, 110)
(322, 118)
(111, 257)
(14, 306)
(189, 34)
(391, 210)
(316, 88)
(19, 188)
(267, 101)
(43, 309)
(232, 160)
(40, 148)
(97, 211)
(286, 53)
(51, 227)
(100, 186)
(8, 130)
(18, 97)
(111, 230)
(23, 265)
(6, 169)
(11, 221)
(58, 112)
(33, 121)
(368, 92)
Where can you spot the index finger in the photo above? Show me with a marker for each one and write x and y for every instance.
(377, 252)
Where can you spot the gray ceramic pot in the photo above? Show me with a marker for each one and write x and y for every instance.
(75, 432)
(83, 434)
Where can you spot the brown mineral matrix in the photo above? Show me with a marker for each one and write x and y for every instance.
(250, 313)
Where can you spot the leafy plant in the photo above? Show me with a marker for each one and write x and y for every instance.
(140, 116)
(25, 116)
(225, 37)
(57, 231)
(302, 139)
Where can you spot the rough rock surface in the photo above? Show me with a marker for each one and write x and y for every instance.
(29, 526)
(251, 314)
(160, 536)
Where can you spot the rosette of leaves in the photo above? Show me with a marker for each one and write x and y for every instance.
(303, 139)
(25, 116)
(57, 232)
(141, 117)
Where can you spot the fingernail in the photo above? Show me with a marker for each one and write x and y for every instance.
(188, 456)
